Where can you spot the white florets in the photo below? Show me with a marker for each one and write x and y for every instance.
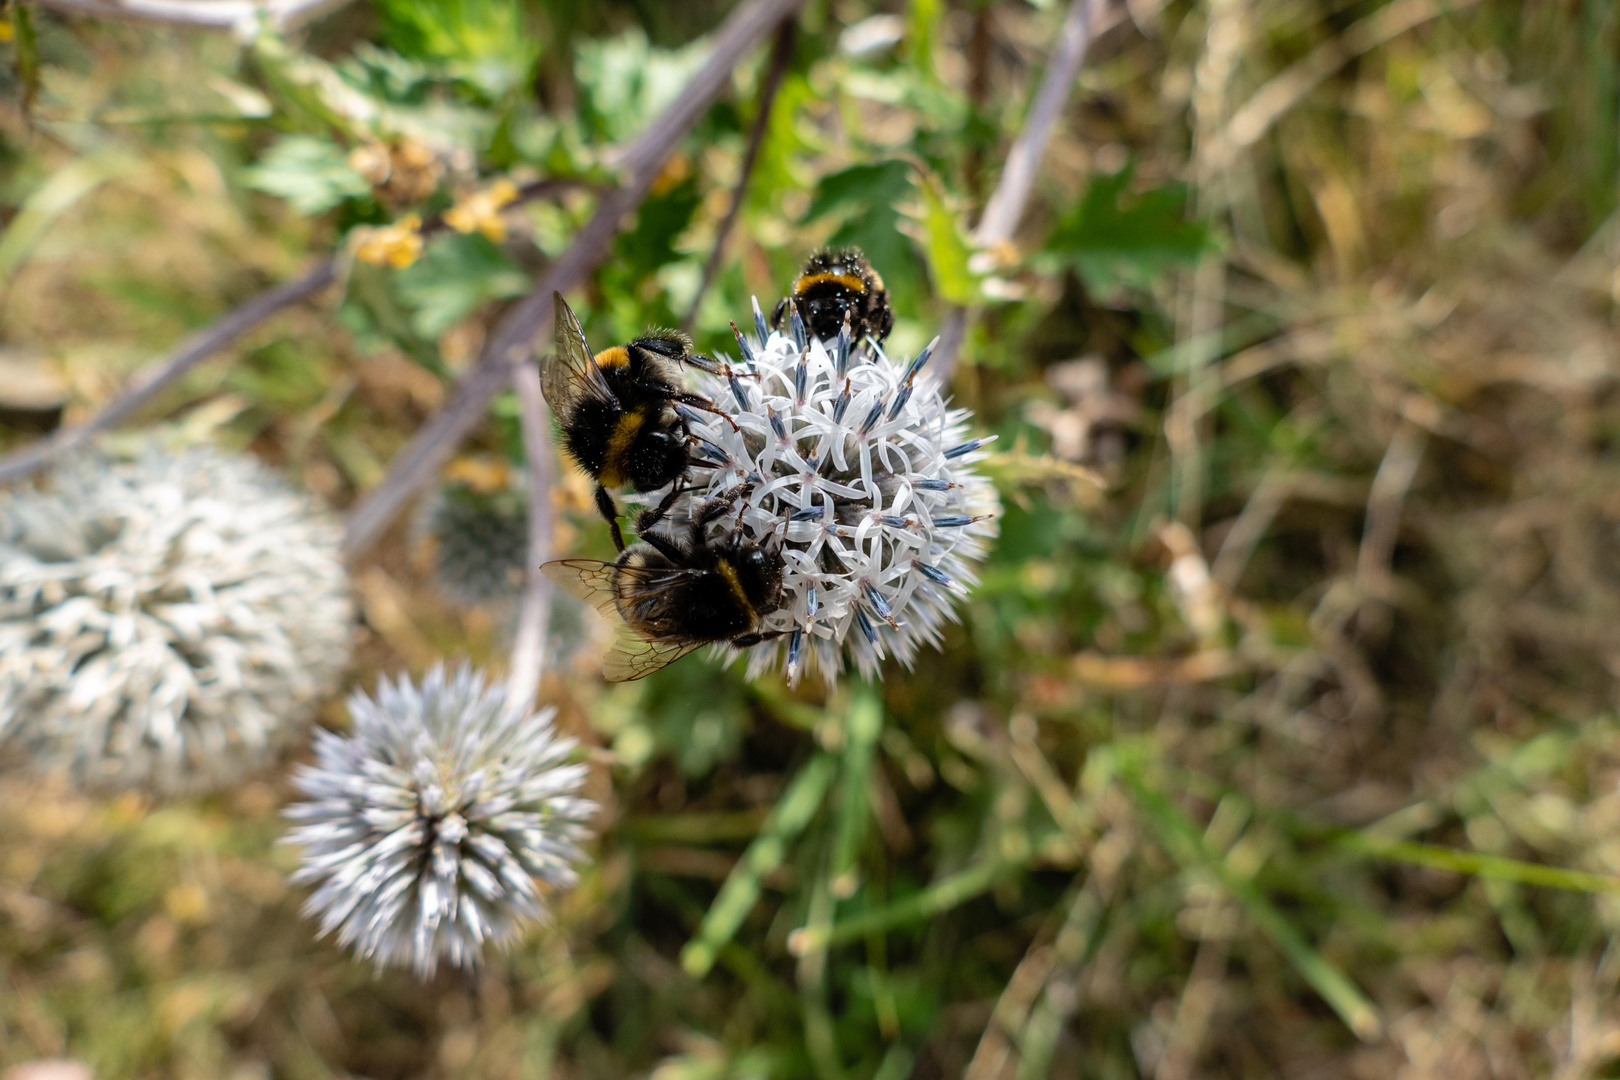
(430, 828)
(165, 622)
(856, 463)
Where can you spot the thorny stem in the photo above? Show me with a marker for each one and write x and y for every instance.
(781, 55)
(1007, 201)
(529, 643)
(513, 341)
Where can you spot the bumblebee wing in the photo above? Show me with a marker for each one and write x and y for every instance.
(570, 373)
(634, 654)
(587, 580)
(635, 657)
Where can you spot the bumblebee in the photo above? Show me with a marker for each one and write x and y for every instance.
(836, 284)
(668, 598)
(614, 408)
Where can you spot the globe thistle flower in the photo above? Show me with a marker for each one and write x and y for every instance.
(853, 462)
(434, 827)
(165, 622)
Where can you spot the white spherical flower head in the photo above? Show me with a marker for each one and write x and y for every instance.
(854, 464)
(166, 622)
(433, 827)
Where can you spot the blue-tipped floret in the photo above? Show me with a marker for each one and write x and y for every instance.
(809, 513)
(841, 405)
(872, 418)
(760, 329)
(795, 648)
(708, 451)
(801, 336)
(746, 349)
(968, 447)
(879, 605)
(776, 423)
(867, 629)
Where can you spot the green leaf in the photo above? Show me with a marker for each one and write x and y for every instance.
(313, 175)
(944, 245)
(1113, 237)
(923, 18)
(625, 82)
(483, 42)
(659, 223)
(861, 186)
(455, 276)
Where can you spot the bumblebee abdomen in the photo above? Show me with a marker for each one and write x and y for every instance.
(716, 608)
(587, 431)
(618, 451)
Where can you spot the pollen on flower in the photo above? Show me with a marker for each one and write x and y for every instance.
(852, 462)
(480, 211)
(397, 245)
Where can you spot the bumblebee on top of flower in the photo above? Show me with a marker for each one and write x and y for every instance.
(830, 505)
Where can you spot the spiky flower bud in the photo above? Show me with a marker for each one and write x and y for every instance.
(854, 461)
(480, 542)
(166, 622)
(436, 825)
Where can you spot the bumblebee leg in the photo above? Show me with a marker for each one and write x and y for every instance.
(748, 641)
(696, 401)
(720, 504)
(665, 548)
(610, 512)
(648, 518)
(704, 363)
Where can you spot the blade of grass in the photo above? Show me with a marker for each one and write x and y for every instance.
(864, 723)
(1185, 843)
(1038, 1040)
(937, 899)
(741, 889)
(820, 1036)
(1435, 856)
(1495, 867)
(54, 198)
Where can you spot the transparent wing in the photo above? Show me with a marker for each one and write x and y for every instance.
(635, 657)
(570, 373)
(586, 580)
(591, 580)
(637, 651)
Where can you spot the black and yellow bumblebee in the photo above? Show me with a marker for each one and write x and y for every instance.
(836, 284)
(615, 410)
(669, 597)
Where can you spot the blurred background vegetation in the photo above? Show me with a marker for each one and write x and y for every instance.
(1280, 738)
